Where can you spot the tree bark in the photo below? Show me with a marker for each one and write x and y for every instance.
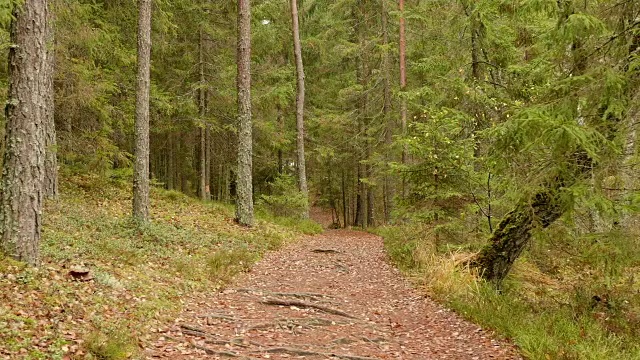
(244, 186)
(389, 189)
(202, 163)
(403, 87)
(360, 201)
(202, 94)
(297, 49)
(514, 231)
(226, 194)
(345, 205)
(208, 153)
(171, 166)
(475, 48)
(371, 221)
(629, 174)
(26, 113)
(51, 152)
(361, 76)
(141, 169)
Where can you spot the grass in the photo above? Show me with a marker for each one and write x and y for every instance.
(548, 305)
(142, 273)
(304, 226)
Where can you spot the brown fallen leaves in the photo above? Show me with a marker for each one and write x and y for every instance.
(348, 303)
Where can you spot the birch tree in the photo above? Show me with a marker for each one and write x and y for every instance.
(297, 49)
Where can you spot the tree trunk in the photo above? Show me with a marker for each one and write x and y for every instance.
(629, 174)
(345, 205)
(51, 152)
(514, 231)
(226, 194)
(281, 127)
(403, 87)
(203, 189)
(26, 113)
(475, 51)
(244, 186)
(371, 221)
(389, 189)
(208, 153)
(362, 74)
(171, 171)
(297, 49)
(202, 163)
(360, 199)
(141, 169)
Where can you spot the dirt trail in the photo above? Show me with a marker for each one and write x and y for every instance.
(332, 296)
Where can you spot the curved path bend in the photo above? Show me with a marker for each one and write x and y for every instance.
(332, 296)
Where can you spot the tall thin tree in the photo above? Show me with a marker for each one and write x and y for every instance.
(141, 168)
(26, 113)
(244, 181)
(403, 85)
(297, 49)
(204, 189)
(386, 111)
(51, 152)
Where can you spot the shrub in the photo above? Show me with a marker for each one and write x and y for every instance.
(285, 199)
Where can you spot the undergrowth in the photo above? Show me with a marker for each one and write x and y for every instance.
(568, 297)
(305, 226)
(142, 274)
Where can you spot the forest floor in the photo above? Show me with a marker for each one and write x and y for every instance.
(329, 296)
(105, 281)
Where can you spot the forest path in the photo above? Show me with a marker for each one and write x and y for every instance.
(332, 296)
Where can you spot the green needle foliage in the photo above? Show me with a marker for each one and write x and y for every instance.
(519, 158)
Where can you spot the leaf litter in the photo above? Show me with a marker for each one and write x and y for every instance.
(347, 303)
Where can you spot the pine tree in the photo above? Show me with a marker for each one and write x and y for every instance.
(403, 84)
(27, 111)
(51, 159)
(244, 178)
(141, 168)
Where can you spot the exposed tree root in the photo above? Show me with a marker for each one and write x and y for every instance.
(192, 328)
(295, 322)
(303, 352)
(326, 251)
(302, 304)
(210, 351)
(301, 295)
(218, 316)
(207, 350)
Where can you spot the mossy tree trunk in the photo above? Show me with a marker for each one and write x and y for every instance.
(514, 231)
